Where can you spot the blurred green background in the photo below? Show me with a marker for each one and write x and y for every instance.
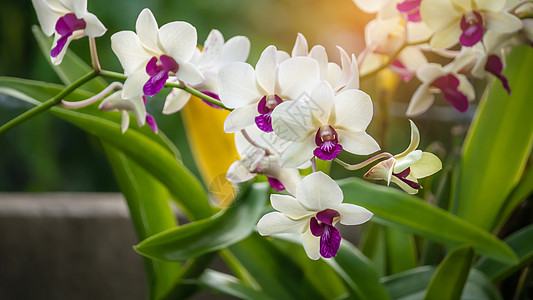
(47, 154)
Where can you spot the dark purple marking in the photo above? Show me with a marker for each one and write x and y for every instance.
(265, 107)
(403, 177)
(495, 66)
(158, 70)
(322, 226)
(276, 184)
(448, 84)
(473, 29)
(412, 9)
(327, 141)
(212, 95)
(151, 123)
(65, 26)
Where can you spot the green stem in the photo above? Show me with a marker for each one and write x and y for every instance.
(48, 104)
(188, 89)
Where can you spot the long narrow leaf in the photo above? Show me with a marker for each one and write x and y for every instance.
(207, 235)
(401, 250)
(229, 285)
(148, 202)
(450, 277)
(498, 144)
(404, 211)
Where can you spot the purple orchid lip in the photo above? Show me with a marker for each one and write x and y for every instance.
(327, 141)
(449, 84)
(403, 177)
(158, 70)
(473, 29)
(322, 226)
(494, 66)
(65, 26)
(265, 107)
(412, 9)
(276, 184)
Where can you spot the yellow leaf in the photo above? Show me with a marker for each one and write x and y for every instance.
(213, 149)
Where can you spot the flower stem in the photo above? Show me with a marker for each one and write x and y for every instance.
(94, 54)
(365, 163)
(251, 141)
(188, 89)
(48, 104)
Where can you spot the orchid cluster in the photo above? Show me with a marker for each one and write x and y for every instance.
(294, 108)
(473, 36)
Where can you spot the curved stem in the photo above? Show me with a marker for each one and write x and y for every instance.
(251, 141)
(518, 5)
(48, 104)
(188, 89)
(99, 96)
(365, 163)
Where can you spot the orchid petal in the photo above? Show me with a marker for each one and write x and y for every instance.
(179, 40)
(175, 101)
(427, 165)
(502, 21)
(266, 69)
(447, 37)
(238, 172)
(318, 192)
(299, 153)
(289, 206)
(382, 170)
(117, 102)
(237, 85)
(134, 84)
(240, 118)
(276, 222)
(421, 101)
(59, 57)
(189, 73)
(319, 54)
(353, 110)
(404, 186)
(213, 45)
(490, 5)
(290, 179)
(406, 161)
(294, 120)
(415, 140)
(300, 46)
(369, 6)
(439, 14)
(93, 28)
(147, 30)
(466, 87)
(125, 121)
(311, 244)
(351, 214)
(128, 48)
(79, 7)
(47, 17)
(235, 49)
(283, 56)
(357, 142)
(297, 76)
(322, 103)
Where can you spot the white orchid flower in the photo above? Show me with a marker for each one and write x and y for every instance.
(455, 88)
(255, 93)
(214, 55)
(466, 21)
(68, 20)
(151, 54)
(407, 167)
(262, 157)
(313, 213)
(324, 125)
(341, 77)
(136, 105)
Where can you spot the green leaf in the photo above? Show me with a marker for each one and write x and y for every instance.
(153, 156)
(519, 194)
(208, 235)
(327, 283)
(150, 212)
(498, 144)
(229, 285)
(374, 246)
(412, 285)
(276, 273)
(401, 210)
(522, 243)
(401, 250)
(450, 277)
(358, 272)
(71, 68)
